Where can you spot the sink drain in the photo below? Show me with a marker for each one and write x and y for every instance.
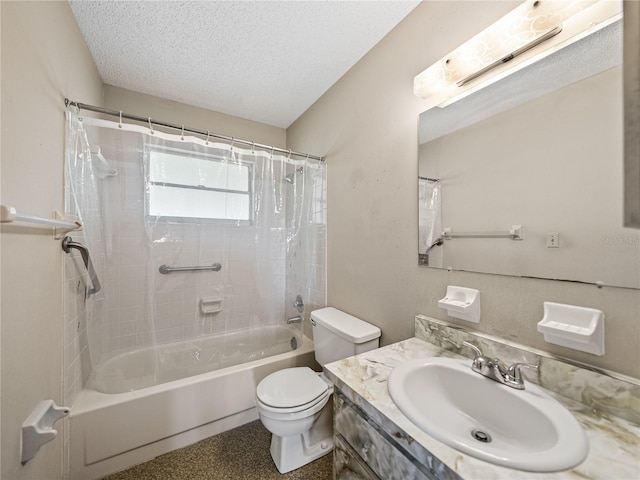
(481, 436)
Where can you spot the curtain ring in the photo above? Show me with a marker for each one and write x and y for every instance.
(120, 123)
(207, 140)
(272, 150)
(77, 111)
(182, 135)
(289, 156)
(233, 140)
(253, 147)
(151, 126)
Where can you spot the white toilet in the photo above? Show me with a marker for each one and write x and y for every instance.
(293, 403)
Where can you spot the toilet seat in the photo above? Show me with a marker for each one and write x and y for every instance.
(291, 390)
(291, 410)
(290, 415)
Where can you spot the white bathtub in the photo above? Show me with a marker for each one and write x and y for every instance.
(146, 367)
(113, 431)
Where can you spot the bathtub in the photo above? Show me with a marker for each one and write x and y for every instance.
(120, 419)
(146, 367)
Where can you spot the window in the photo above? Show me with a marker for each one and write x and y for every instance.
(186, 185)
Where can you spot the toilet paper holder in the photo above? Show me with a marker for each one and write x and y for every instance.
(38, 429)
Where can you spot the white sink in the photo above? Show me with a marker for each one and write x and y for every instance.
(525, 429)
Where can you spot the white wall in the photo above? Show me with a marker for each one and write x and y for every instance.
(179, 113)
(366, 125)
(44, 60)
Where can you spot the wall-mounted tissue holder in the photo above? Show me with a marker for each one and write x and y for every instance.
(211, 305)
(574, 327)
(462, 303)
(37, 429)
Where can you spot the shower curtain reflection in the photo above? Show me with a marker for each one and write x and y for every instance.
(429, 222)
(183, 201)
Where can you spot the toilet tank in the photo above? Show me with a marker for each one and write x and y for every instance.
(338, 335)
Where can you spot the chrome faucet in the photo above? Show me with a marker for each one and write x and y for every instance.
(495, 370)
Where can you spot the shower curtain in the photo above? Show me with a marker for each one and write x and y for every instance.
(149, 199)
(429, 223)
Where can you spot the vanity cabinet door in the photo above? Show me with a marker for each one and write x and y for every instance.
(347, 464)
(363, 452)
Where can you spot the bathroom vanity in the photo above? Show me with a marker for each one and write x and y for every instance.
(374, 440)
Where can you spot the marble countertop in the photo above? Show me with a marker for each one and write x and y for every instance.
(614, 452)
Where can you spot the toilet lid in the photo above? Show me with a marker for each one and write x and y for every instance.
(291, 387)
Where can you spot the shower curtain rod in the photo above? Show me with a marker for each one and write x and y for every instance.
(182, 128)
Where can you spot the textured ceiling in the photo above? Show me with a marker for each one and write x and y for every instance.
(266, 61)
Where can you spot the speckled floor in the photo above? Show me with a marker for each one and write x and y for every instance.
(241, 453)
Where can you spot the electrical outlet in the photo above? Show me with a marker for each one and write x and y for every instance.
(553, 240)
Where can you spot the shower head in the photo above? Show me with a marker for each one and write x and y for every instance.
(290, 178)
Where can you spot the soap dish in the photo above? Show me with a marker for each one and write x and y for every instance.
(462, 303)
(211, 305)
(574, 327)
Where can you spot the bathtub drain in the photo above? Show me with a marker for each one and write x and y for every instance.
(294, 343)
(481, 436)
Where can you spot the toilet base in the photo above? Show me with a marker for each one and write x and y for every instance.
(295, 451)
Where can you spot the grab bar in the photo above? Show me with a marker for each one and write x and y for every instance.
(67, 245)
(515, 233)
(165, 269)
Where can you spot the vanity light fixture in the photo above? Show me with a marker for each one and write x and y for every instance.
(525, 35)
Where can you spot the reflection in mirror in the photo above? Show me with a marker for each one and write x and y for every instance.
(543, 149)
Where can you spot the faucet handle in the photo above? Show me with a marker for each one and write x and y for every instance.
(514, 374)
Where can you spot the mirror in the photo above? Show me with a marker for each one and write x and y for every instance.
(525, 177)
